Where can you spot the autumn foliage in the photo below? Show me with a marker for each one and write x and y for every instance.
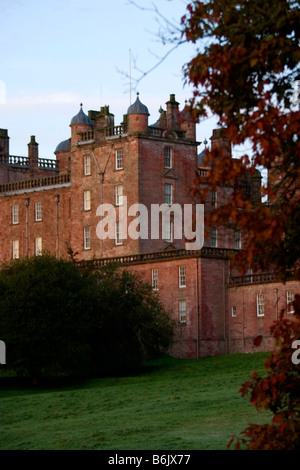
(278, 392)
(246, 72)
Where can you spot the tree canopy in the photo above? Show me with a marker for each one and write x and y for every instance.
(246, 72)
(59, 318)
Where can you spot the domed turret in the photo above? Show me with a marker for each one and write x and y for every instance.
(63, 155)
(79, 124)
(137, 117)
(63, 146)
(138, 108)
(81, 118)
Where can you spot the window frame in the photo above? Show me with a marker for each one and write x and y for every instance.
(87, 200)
(213, 199)
(214, 237)
(87, 167)
(38, 246)
(119, 163)
(38, 211)
(182, 313)
(168, 230)
(181, 276)
(237, 240)
(118, 233)
(119, 195)
(260, 305)
(154, 279)
(168, 194)
(87, 237)
(15, 214)
(168, 157)
(16, 249)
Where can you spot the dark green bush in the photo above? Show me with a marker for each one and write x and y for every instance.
(57, 318)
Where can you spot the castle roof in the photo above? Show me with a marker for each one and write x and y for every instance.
(200, 159)
(81, 118)
(63, 146)
(137, 107)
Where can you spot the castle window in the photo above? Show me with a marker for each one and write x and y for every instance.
(118, 236)
(87, 238)
(15, 249)
(182, 311)
(233, 311)
(119, 195)
(87, 165)
(260, 308)
(182, 276)
(154, 274)
(38, 211)
(289, 302)
(38, 246)
(168, 230)
(119, 159)
(214, 238)
(237, 240)
(168, 157)
(213, 199)
(87, 200)
(15, 214)
(168, 194)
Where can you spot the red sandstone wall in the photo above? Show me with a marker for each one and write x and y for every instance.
(186, 344)
(102, 182)
(55, 231)
(246, 325)
(153, 175)
(213, 321)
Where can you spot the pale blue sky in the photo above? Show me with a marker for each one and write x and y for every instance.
(56, 54)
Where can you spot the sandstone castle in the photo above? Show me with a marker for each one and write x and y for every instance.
(53, 205)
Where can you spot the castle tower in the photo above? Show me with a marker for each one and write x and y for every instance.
(188, 123)
(220, 142)
(63, 156)
(137, 117)
(79, 123)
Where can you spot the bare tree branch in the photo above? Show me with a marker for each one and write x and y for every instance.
(168, 33)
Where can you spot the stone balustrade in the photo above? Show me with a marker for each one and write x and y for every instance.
(32, 184)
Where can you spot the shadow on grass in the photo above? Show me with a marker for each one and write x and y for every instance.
(10, 381)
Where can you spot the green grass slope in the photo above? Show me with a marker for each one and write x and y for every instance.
(173, 404)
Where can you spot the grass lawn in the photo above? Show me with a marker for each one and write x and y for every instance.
(173, 404)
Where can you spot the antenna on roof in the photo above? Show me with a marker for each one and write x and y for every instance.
(130, 76)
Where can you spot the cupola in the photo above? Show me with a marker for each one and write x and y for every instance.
(137, 117)
(81, 118)
(80, 123)
(63, 146)
(63, 155)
